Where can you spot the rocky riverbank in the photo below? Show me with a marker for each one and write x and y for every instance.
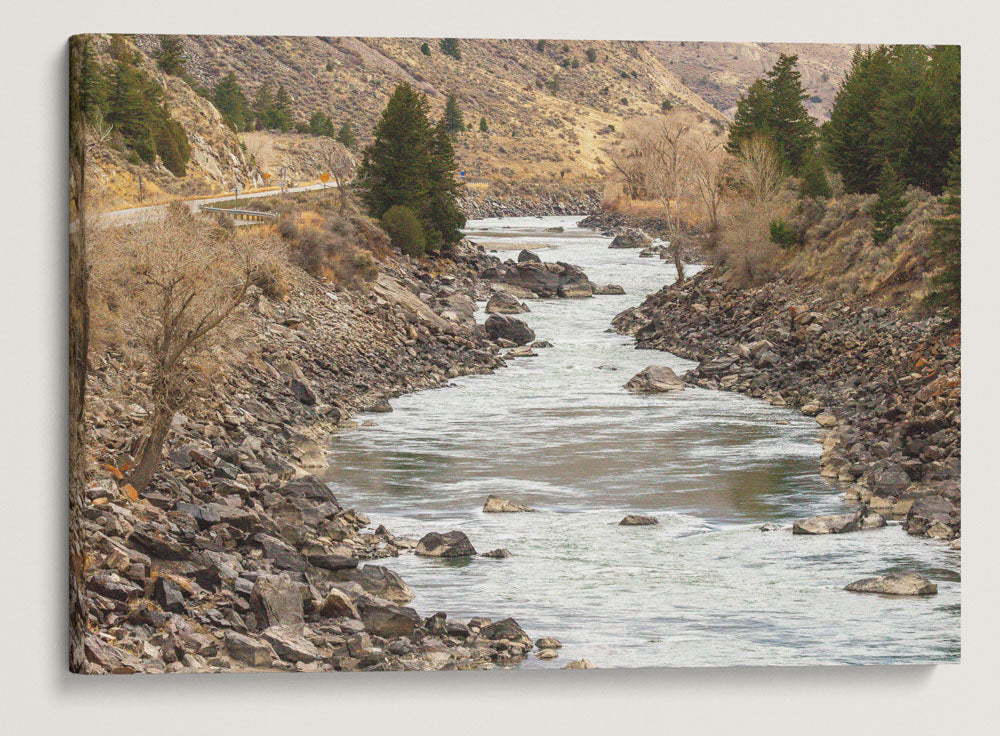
(613, 224)
(884, 387)
(479, 206)
(237, 557)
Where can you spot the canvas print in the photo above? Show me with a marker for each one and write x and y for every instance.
(441, 353)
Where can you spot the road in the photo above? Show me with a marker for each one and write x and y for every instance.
(151, 212)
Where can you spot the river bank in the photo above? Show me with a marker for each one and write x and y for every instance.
(884, 387)
(236, 557)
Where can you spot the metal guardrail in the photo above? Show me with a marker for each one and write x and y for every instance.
(244, 214)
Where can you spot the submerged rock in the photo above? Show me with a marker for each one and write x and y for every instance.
(631, 238)
(896, 583)
(638, 520)
(496, 505)
(497, 554)
(863, 518)
(655, 379)
(451, 544)
(609, 290)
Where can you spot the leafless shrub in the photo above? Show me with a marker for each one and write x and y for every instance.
(171, 290)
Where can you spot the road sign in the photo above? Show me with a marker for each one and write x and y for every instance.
(239, 190)
(324, 178)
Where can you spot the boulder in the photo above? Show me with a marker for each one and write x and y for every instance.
(526, 256)
(631, 238)
(509, 328)
(248, 650)
(451, 544)
(497, 554)
(289, 644)
(863, 518)
(276, 601)
(638, 520)
(521, 351)
(383, 618)
(332, 562)
(609, 290)
(580, 664)
(896, 583)
(508, 630)
(934, 516)
(654, 379)
(496, 505)
(338, 604)
(575, 290)
(547, 642)
(826, 420)
(503, 303)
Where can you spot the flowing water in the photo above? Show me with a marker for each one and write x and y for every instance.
(704, 588)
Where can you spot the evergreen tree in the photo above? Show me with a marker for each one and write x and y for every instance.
(453, 115)
(451, 47)
(395, 167)
(93, 85)
(444, 220)
(774, 106)
(889, 209)
(412, 164)
(320, 124)
(946, 244)
(425, 49)
(814, 181)
(282, 113)
(346, 137)
(171, 56)
(232, 102)
(540, 45)
(591, 56)
(133, 105)
(263, 103)
(483, 127)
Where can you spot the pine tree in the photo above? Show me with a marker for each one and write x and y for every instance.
(282, 113)
(346, 137)
(451, 47)
(814, 181)
(263, 103)
(395, 167)
(171, 55)
(889, 210)
(425, 49)
(453, 115)
(946, 244)
(320, 124)
(483, 127)
(774, 107)
(93, 85)
(444, 220)
(591, 56)
(232, 102)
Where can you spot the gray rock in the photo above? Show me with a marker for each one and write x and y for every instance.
(897, 583)
(383, 618)
(503, 303)
(248, 650)
(654, 379)
(638, 520)
(509, 328)
(863, 518)
(289, 644)
(451, 544)
(496, 505)
(277, 601)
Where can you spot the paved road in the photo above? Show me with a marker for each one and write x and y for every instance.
(151, 212)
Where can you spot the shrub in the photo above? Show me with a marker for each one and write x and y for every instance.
(451, 47)
(329, 66)
(483, 126)
(272, 280)
(591, 56)
(404, 230)
(783, 234)
(425, 49)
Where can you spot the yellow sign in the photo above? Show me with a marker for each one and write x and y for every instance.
(324, 178)
(267, 176)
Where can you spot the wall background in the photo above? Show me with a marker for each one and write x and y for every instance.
(40, 696)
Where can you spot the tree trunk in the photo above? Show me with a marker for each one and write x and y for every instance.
(78, 334)
(152, 449)
(678, 263)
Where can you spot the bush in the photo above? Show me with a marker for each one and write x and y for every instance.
(404, 230)
(783, 234)
(329, 66)
(591, 56)
(272, 280)
(425, 49)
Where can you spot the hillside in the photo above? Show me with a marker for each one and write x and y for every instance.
(554, 110)
(720, 72)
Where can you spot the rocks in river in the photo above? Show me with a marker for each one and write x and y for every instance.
(500, 326)
(507, 630)
(575, 290)
(497, 554)
(450, 544)
(497, 505)
(631, 238)
(896, 583)
(654, 379)
(863, 518)
(609, 290)
(580, 664)
(538, 344)
(521, 351)
(768, 527)
(935, 516)
(638, 520)
(543, 279)
(526, 256)
(503, 303)
(547, 642)
(547, 654)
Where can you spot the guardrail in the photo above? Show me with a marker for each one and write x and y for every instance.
(243, 214)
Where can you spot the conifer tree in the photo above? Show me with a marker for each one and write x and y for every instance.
(232, 102)
(425, 49)
(483, 126)
(444, 219)
(774, 107)
(93, 85)
(263, 104)
(946, 244)
(453, 115)
(320, 124)
(451, 47)
(346, 137)
(171, 55)
(814, 181)
(282, 113)
(889, 209)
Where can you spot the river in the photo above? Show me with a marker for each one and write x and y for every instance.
(704, 588)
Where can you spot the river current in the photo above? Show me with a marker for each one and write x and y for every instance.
(706, 587)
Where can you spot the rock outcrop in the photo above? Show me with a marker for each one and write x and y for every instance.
(897, 583)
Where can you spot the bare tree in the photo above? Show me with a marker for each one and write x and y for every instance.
(759, 173)
(709, 166)
(171, 286)
(341, 167)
